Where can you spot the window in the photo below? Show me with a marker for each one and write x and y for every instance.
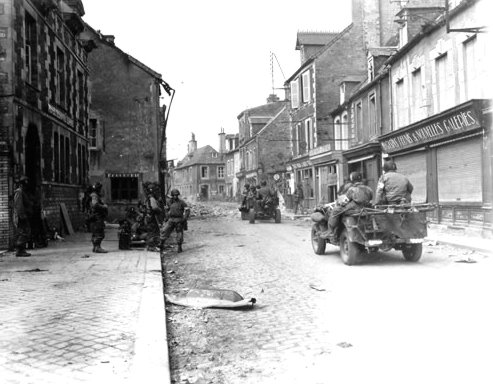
(221, 189)
(400, 102)
(204, 172)
(340, 133)
(30, 45)
(60, 78)
(67, 161)
(442, 95)
(300, 135)
(62, 159)
(213, 155)
(371, 69)
(295, 98)
(344, 132)
(342, 93)
(220, 172)
(403, 36)
(79, 164)
(470, 77)
(358, 119)
(337, 134)
(372, 115)
(417, 111)
(93, 133)
(306, 86)
(56, 158)
(80, 84)
(308, 133)
(124, 188)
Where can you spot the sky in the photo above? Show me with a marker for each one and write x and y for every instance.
(216, 54)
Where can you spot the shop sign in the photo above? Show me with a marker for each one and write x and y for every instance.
(110, 175)
(457, 121)
(60, 115)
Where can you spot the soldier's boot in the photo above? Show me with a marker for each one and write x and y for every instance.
(93, 247)
(180, 249)
(98, 249)
(21, 252)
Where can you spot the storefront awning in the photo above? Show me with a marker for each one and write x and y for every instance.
(358, 159)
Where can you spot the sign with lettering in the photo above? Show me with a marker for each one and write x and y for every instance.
(61, 115)
(457, 121)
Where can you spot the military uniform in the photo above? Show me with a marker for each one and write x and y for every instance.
(177, 215)
(98, 211)
(393, 188)
(153, 211)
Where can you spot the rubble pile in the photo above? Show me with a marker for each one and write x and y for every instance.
(215, 209)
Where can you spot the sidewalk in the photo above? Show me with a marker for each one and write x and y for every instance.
(68, 315)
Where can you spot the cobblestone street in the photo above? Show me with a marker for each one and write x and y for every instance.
(68, 315)
(319, 321)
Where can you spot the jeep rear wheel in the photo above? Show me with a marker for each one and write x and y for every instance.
(251, 216)
(412, 252)
(318, 243)
(350, 251)
(277, 216)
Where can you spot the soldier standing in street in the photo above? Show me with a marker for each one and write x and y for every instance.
(177, 213)
(22, 216)
(153, 211)
(299, 197)
(98, 211)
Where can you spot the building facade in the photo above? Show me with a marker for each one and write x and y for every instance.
(315, 90)
(201, 174)
(126, 134)
(231, 143)
(44, 109)
(264, 139)
(441, 108)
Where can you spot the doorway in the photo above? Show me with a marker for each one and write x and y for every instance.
(32, 157)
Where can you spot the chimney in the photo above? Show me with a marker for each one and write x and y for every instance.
(109, 39)
(272, 98)
(222, 141)
(192, 145)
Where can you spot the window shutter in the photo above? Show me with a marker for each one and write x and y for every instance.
(306, 86)
(295, 99)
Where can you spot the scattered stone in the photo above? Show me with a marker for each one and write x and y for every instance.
(344, 345)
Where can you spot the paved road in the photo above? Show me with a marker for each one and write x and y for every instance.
(320, 321)
(68, 315)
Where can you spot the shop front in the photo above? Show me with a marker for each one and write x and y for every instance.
(304, 175)
(365, 159)
(328, 173)
(447, 158)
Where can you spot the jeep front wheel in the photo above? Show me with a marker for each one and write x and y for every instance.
(318, 244)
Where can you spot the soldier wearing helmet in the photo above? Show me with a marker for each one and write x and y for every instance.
(177, 213)
(153, 212)
(244, 195)
(98, 211)
(393, 187)
(358, 196)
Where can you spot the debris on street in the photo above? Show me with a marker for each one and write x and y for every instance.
(317, 287)
(210, 298)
